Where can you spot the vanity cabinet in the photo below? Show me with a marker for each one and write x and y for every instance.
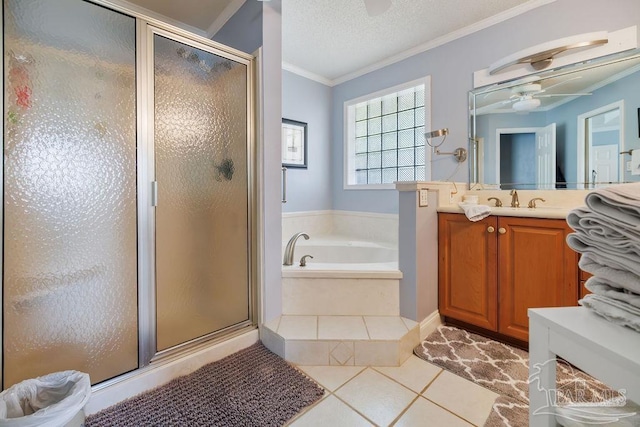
(583, 279)
(492, 271)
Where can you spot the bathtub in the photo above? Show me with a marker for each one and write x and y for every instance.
(341, 257)
(346, 277)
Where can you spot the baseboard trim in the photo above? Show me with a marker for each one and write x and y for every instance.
(152, 377)
(430, 324)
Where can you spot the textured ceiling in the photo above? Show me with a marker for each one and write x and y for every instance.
(334, 39)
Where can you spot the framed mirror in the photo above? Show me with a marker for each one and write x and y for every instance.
(571, 127)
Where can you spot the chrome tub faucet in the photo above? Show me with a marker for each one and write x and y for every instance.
(291, 246)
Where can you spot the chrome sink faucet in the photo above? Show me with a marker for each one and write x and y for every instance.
(291, 246)
(515, 203)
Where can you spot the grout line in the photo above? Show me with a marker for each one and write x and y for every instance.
(355, 410)
(450, 411)
(307, 408)
(349, 380)
(404, 411)
(439, 405)
(432, 381)
(375, 368)
(366, 327)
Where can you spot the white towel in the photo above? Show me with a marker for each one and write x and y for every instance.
(475, 212)
(614, 311)
(620, 203)
(596, 226)
(599, 287)
(605, 254)
(622, 246)
(608, 273)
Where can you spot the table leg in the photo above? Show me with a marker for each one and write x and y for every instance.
(542, 377)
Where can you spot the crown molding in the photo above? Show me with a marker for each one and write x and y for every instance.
(224, 17)
(306, 74)
(463, 32)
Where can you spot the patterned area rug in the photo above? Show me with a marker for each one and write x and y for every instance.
(253, 387)
(505, 370)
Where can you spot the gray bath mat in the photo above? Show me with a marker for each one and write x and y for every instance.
(253, 387)
(503, 369)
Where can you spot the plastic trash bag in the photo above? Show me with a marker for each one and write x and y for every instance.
(47, 401)
(608, 413)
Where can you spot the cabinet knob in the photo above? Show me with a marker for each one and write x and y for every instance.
(502, 230)
(490, 229)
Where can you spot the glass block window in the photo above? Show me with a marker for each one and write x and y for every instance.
(385, 137)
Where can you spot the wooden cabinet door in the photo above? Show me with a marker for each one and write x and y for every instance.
(467, 274)
(536, 269)
(583, 276)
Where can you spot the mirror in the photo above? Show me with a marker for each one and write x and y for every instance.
(563, 128)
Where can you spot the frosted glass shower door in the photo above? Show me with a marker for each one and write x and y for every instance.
(69, 241)
(202, 220)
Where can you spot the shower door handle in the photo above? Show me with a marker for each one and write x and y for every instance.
(284, 185)
(154, 193)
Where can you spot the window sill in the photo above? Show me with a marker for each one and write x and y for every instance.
(369, 187)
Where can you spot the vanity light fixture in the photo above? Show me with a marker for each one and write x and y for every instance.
(460, 153)
(542, 55)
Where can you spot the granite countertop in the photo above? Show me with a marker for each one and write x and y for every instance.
(539, 212)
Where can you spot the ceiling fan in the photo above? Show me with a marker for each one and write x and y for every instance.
(526, 96)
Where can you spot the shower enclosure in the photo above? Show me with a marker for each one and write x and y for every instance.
(128, 204)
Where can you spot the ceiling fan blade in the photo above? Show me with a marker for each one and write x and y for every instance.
(377, 7)
(493, 106)
(560, 83)
(549, 95)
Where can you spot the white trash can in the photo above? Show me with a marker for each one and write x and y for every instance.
(52, 400)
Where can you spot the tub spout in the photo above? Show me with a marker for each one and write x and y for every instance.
(291, 246)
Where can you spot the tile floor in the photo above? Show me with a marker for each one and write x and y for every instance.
(414, 394)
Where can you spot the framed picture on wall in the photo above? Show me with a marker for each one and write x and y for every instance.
(294, 144)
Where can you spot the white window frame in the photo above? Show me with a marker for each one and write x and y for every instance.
(350, 131)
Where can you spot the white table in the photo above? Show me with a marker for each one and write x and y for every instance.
(606, 351)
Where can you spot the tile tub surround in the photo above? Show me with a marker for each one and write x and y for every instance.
(327, 340)
(342, 308)
(337, 294)
(373, 227)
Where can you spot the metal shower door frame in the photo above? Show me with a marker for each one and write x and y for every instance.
(147, 184)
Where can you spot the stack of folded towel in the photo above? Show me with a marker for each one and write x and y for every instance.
(607, 234)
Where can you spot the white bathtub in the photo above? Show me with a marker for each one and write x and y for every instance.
(340, 257)
(346, 277)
